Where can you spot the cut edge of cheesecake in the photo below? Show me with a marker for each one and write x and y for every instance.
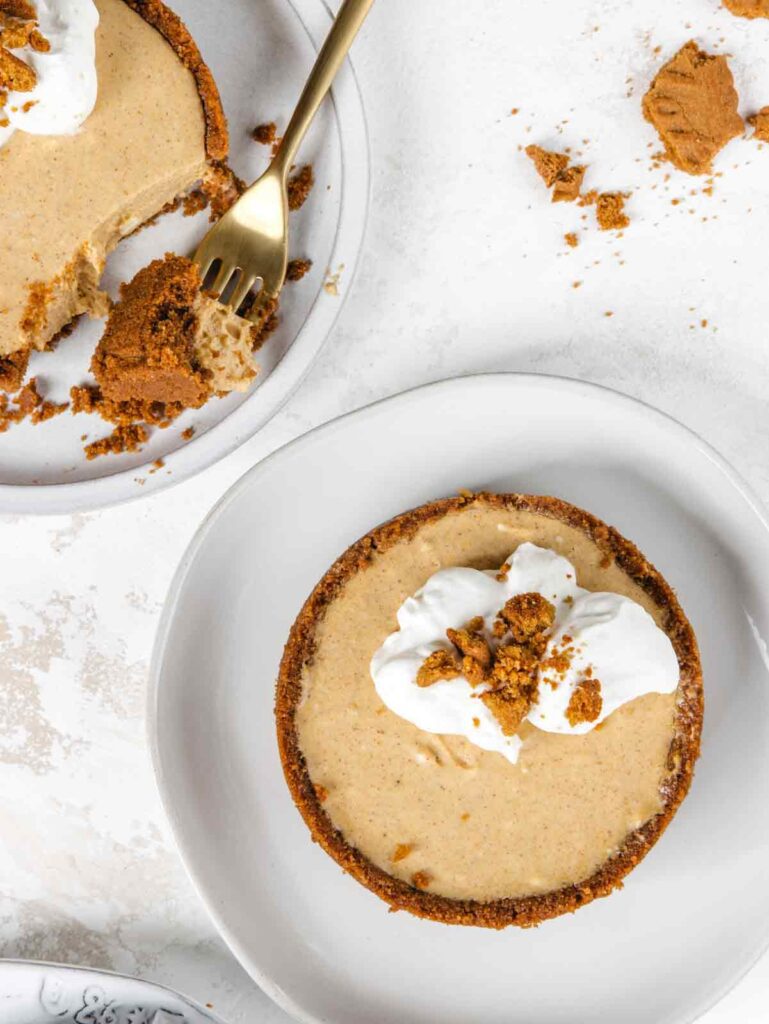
(80, 278)
(524, 911)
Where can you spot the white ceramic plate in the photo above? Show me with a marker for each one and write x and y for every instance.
(260, 52)
(695, 914)
(36, 993)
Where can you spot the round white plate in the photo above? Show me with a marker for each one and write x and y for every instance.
(695, 914)
(261, 52)
(37, 993)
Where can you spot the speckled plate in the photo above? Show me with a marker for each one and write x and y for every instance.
(37, 993)
(691, 918)
(260, 53)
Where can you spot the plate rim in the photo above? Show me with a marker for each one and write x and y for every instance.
(179, 833)
(223, 438)
(95, 973)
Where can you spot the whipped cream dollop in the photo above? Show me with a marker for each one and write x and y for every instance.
(65, 93)
(611, 638)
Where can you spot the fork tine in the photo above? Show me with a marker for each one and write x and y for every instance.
(243, 287)
(220, 281)
(204, 264)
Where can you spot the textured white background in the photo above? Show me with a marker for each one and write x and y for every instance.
(464, 270)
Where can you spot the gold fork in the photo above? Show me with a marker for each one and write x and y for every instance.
(251, 239)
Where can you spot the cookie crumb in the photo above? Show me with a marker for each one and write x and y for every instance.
(194, 202)
(556, 172)
(525, 616)
(472, 645)
(585, 703)
(759, 122)
(127, 438)
(401, 852)
(438, 666)
(421, 879)
(572, 239)
(567, 185)
(610, 211)
(15, 75)
(300, 186)
(297, 269)
(265, 134)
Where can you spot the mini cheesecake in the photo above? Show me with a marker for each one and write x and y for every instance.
(548, 809)
(156, 131)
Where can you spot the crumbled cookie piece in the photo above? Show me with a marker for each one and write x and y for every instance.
(586, 702)
(547, 164)
(127, 438)
(525, 616)
(297, 269)
(471, 644)
(557, 664)
(25, 403)
(572, 239)
(16, 33)
(759, 122)
(692, 103)
(503, 573)
(748, 8)
(476, 652)
(29, 398)
(38, 42)
(47, 410)
(15, 75)
(265, 134)
(300, 186)
(438, 666)
(194, 202)
(401, 852)
(12, 370)
(421, 879)
(266, 321)
(23, 9)
(567, 185)
(610, 211)
(508, 707)
(556, 173)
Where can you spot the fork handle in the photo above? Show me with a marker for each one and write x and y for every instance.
(351, 16)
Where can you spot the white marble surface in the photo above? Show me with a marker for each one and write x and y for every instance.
(465, 270)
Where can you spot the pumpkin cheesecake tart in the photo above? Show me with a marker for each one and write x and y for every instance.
(118, 118)
(489, 709)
